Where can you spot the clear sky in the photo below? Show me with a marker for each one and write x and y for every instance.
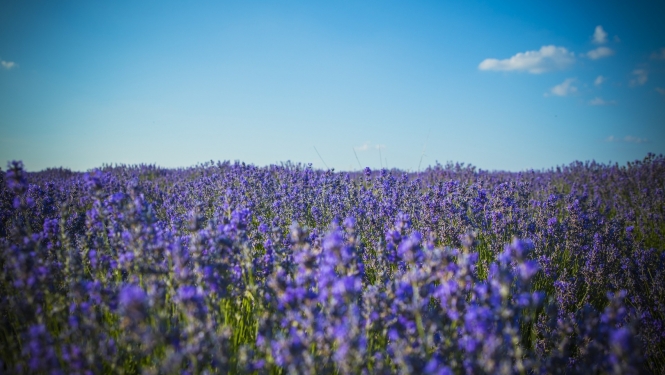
(402, 83)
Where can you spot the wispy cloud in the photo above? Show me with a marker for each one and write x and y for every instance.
(546, 59)
(659, 55)
(599, 35)
(7, 64)
(631, 139)
(626, 139)
(660, 90)
(565, 88)
(599, 53)
(369, 146)
(641, 77)
(599, 80)
(364, 147)
(601, 101)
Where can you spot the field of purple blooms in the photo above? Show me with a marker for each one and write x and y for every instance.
(233, 268)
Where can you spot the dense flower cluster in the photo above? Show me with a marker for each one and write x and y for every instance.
(233, 268)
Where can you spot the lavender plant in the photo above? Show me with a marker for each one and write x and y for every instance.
(233, 268)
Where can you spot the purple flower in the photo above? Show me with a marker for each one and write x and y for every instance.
(404, 292)
(349, 223)
(436, 367)
(187, 293)
(333, 241)
(15, 178)
(93, 180)
(528, 269)
(133, 301)
(621, 341)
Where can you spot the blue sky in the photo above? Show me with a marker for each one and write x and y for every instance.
(499, 85)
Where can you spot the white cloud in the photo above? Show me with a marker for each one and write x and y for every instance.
(599, 53)
(364, 147)
(368, 146)
(564, 88)
(7, 64)
(546, 59)
(631, 139)
(626, 139)
(601, 101)
(659, 55)
(599, 80)
(599, 35)
(641, 77)
(660, 90)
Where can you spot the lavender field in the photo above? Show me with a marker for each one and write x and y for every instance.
(232, 268)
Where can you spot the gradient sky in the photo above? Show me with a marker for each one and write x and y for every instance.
(403, 84)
